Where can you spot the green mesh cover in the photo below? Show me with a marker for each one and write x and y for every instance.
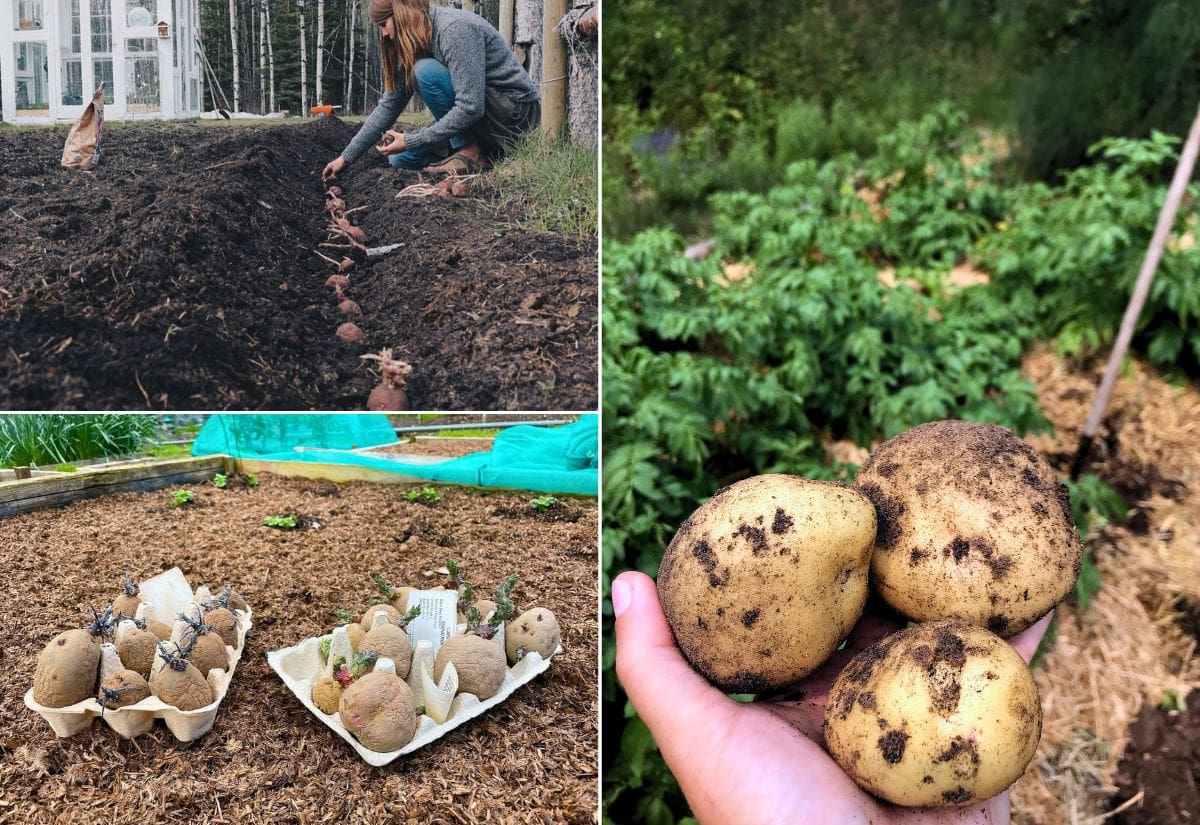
(542, 459)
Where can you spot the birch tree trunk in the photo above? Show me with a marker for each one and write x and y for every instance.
(262, 57)
(270, 52)
(350, 57)
(233, 40)
(303, 62)
(320, 52)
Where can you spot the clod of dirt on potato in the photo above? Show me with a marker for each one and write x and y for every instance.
(68, 667)
(178, 682)
(349, 333)
(122, 688)
(207, 647)
(378, 710)
(764, 581)
(136, 647)
(973, 524)
(127, 603)
(535, 630)
(388, 394)
(943, 713)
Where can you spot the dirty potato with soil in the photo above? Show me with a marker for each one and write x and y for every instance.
(944, 713)
(765, 579)
(973, 524)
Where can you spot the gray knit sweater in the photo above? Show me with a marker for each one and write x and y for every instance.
(477, 58)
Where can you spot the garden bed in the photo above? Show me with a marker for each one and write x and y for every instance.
(532, 758)
(183, 274)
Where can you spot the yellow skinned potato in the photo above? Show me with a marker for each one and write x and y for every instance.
(973, 525)
(766, 578)
(944, 713)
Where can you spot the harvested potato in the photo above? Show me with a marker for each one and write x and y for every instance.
(122, 688)
(534, 630)
(973, 525)
(479, 662)
(944, 713)
(766, 578)
(379, 711)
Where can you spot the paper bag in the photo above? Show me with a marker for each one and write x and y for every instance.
(83, 144)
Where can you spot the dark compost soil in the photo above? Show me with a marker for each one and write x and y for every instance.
(267, 759)
(181, 275)
(1163, 759)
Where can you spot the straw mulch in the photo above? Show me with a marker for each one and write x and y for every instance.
(530, 760)
(1132, 645)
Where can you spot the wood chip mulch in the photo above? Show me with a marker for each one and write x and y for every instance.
(532, 759)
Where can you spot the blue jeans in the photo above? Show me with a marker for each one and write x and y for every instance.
(435, 88)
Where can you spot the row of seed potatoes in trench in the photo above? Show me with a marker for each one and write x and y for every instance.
(388, 394)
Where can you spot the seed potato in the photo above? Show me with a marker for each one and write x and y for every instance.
(766, 578)
(973, 524)
(944, 713)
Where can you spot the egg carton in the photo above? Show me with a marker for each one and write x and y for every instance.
(167, 594)
(301, 666)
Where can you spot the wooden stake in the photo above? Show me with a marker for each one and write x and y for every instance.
(554, 67)
(506, 21)
(1162, 231)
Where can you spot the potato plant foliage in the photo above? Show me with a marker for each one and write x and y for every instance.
(784, 337)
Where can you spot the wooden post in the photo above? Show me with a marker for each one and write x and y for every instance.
(468, 5)
(506, 21)
(22, 472)
(1141, 289)
(554, 67)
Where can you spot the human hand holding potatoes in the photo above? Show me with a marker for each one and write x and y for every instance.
(963, 528)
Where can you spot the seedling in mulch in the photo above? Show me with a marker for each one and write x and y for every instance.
(251, 480)
(182, 497)
(220, 481)
(424, 495)
(542, 504)
(287, 522)
(388, 393)
(1173, 700)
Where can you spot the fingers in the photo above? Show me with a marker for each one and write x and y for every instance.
(673, 700)
(1026, 642)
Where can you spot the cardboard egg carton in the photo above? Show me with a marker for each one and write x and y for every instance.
(302, 665)
(166, 595)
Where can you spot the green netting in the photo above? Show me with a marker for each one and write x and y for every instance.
(549, 460)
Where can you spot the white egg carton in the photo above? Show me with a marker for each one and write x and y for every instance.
(167, 594)
(301, 666)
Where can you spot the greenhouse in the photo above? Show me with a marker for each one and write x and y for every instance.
(145, 52)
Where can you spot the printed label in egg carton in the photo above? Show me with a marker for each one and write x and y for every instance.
(438, 619)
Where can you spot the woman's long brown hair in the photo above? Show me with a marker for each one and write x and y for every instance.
(414, 31)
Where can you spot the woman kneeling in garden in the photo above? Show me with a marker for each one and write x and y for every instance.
(480, 96)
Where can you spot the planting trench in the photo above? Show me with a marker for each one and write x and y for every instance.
(183, 274)
(531, 759)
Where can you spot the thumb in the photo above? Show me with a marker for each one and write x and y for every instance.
(673, 700)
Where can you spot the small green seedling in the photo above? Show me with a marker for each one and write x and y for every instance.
(220, 481)
(363, 662)
(424, 495)
(287, 522)
(252, 480)
(543, 503)
(182, 497)
(1173, 700)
